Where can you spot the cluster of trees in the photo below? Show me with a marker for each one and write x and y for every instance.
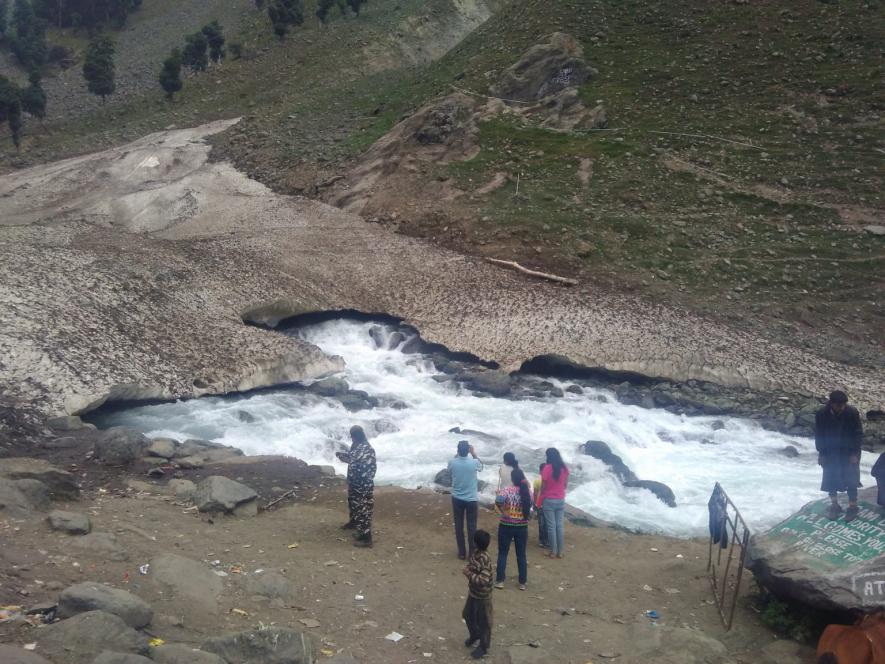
(85, 13)
(325, 7)
(199, 48)
(285, 14)
(16, 101)
(25, 32)
(98, 67)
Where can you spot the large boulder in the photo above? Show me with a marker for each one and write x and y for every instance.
(599, 450)
(187, 580)
(544, 70)
(443, 478)
(72, 523)
(272, 645)
(36, 492)
(662, 491)
(271, 585)
(62, 484)
(120, 446)
(220, 494)
(15, 501)
(176, 653)
(163, 448)
(88, 596)
(828, 565)
(79, 640)
(18, 655)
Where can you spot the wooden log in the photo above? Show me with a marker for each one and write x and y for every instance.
(534, 273)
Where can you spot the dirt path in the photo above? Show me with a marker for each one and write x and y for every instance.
(586, 607)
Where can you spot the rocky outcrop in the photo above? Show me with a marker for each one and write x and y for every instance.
(271, 645)
(544, 70)
(191, 582)
(828, 565)
(84, 597)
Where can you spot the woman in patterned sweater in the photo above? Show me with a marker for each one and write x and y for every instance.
(514, 506)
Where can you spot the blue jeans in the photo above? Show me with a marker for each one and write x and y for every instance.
(520, 537)
(554, 513)
(460, 510)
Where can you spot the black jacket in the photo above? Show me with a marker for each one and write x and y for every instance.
(838, 434)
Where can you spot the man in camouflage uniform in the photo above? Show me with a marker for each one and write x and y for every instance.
(361, 466)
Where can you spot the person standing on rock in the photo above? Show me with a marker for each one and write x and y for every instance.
(465, 497)
(837, 436)
(361, 467)
(554, 482)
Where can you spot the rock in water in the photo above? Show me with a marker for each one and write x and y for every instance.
(71, 523)
(273, 645)
(175, 653)
(789, 451)
(120, 446)
(329, 387)
(495, 383)
(599, 450)
(84, 597)
(79, 640)
(829, 565)
(662, 491)
(444, 478)
(220, 494)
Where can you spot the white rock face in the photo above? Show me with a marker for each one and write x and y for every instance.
(128, 273)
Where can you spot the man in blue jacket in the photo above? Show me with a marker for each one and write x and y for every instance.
(837, 435)
(465, 496)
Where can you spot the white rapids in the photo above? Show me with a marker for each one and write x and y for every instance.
(414, 443)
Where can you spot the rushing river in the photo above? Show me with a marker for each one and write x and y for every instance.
(687, 453)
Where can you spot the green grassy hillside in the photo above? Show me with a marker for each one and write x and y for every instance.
(744, 155)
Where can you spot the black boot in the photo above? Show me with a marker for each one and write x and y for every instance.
(350, 525)
(363, 541)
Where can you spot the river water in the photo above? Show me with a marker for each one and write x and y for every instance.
(687, 453)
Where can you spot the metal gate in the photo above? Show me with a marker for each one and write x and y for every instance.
(728, 531)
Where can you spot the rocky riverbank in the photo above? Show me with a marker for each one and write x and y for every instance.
(119, 550)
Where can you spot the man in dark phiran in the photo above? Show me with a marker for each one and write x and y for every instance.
(361, 467)
(837, 435)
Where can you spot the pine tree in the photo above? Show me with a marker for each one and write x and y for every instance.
(215, 36)
(4, 17)
(29, 42)
(285, 13)
(170, 75)
(98, 67)
(194, 54)
(355, 5)
(323, 9)
(33, 97)
(11, 108)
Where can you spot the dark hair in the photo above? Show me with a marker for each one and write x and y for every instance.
(481, 539)
(555, 460)
(518, 479)
(357, 435)
(838, 396)
(463, 448)
(510, 460)
(542, 466)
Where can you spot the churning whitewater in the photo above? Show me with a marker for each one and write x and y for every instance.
(414, 442)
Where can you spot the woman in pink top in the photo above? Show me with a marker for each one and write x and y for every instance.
(554, 481)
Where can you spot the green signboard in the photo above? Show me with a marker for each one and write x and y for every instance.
(834, 543)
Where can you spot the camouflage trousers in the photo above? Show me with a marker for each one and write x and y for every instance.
(361, 504)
